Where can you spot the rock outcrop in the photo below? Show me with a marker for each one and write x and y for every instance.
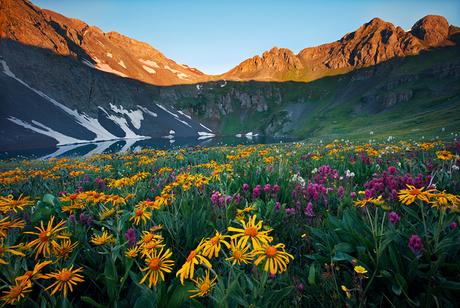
(374, 42)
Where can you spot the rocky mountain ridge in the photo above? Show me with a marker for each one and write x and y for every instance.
(374, 42)
(112, 52)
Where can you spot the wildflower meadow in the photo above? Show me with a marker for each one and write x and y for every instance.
(298, 224)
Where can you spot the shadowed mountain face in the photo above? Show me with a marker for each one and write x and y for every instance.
(64, 82)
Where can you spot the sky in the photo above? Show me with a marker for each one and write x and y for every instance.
(216, 35)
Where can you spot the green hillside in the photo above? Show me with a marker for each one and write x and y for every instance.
(416, 95)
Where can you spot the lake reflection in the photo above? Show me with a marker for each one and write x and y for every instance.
(123, 145)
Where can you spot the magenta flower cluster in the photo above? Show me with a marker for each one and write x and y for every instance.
(388, 183)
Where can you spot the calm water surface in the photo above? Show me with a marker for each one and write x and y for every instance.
(120, 146)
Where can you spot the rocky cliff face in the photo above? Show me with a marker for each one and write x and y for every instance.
(111, 52)
(374, 42)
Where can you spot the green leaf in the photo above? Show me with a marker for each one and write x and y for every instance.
(91, 301)
(145, 301)
(343, 247)
(110, 275)
(178, 295)
(396, 289)
(401, 281)
(49, 199)
(340, 256)
(312, 275)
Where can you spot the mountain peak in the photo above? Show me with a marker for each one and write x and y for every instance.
(112, 52)
(432, 29)
(372, 43)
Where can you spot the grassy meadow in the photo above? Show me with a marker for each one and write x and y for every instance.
(299, 224)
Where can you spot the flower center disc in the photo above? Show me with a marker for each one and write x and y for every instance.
(44, 236)
(65, 276)
(251, 231)
(237, 254)
(205, 287)
(270, 251)
(155, 264)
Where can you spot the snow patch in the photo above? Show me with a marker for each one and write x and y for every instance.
(88, 122)
(172, 132)
(121, 121)
(147, 111)
(164, 108)
(208, 129)
(224, 84)
(45, 130)
(148, 69)
(178, 73)
(121, 63)
(149, 63)
(204, 135)
(185, 115)
(183, 122)
(107, 68)
(136, 116)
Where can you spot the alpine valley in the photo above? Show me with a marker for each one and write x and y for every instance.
(63, 81)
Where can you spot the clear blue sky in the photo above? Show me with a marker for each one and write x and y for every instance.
(215, 35)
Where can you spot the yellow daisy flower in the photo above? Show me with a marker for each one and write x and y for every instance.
(275, 257)
(65, 278)
(46, 237)
(158, 263)
(239, 253)
(212, 246)
(203, 285)
(251, 230)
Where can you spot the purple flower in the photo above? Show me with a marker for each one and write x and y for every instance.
(300, 287)
(277, 206)
(394, 218)
(340, 192)
(392, 170)
(256, 191)
(290, 211)
(245, 187)
(215, 197)
(416, 244)
(309, 210)
(86, 219)
(99, 183)
(130, 236)
(267, 187)
(72, 218)
(276, 188)
(453, 225)
(228, 199)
